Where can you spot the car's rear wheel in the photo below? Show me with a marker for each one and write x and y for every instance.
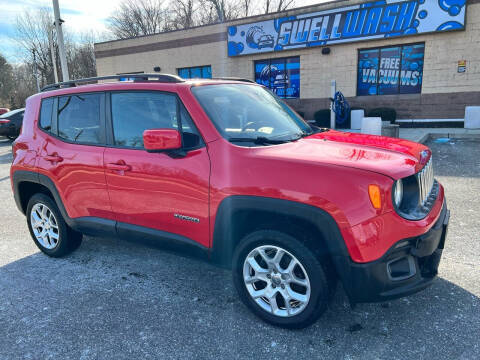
(48, 228)
(280, 279)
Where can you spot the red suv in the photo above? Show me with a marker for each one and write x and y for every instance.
(227, 171)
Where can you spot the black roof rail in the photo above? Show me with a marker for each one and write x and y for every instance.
(164, 78)
(233, 78)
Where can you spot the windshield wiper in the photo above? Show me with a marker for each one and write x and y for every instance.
(317, 129)
(259, 140)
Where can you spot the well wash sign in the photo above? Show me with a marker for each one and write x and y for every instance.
(373, 20)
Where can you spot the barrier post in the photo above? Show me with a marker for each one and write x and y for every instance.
(333, 90)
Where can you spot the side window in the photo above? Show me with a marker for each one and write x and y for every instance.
(135, 112)
(79, 118)
(46, 114)
(191, 136)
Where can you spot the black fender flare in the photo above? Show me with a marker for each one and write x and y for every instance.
(21, 176)
(224, 242)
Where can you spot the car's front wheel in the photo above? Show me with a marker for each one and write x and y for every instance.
(280, 279)
(48, 228)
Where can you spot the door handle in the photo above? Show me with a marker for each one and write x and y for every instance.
(118, 167)
(53, 158)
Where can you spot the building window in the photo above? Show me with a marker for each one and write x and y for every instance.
(390, 70)
(203, 72)
(282, 76)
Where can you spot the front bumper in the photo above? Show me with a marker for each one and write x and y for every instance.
(408, 267)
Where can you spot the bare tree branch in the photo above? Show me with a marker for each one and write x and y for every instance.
(215, 11)
(277, 5)
(32, 35)
(183, 12)
(139, 17)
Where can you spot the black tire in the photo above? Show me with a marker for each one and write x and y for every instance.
(319, 287)
(69, 240)
(12, 137)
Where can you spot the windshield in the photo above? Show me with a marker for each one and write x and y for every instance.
(241, 112)
(10, 113)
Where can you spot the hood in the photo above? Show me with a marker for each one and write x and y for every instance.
(396, 158)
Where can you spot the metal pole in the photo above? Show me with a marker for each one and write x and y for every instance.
(333, 88)
(61, 45)
(35, 73)
(52, 53)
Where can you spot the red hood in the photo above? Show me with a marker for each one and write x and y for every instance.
(393, 157)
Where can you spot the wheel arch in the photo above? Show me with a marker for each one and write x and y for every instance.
(27, 183)
(239, 215)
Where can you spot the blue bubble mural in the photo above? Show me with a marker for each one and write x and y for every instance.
(232, 30)
(234, 48)
(453, 7)
(450, 25)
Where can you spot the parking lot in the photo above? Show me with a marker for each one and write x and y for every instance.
(112, 299)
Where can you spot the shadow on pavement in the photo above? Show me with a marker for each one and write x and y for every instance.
(112, 296)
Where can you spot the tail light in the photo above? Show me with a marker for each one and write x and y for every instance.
(4, 121)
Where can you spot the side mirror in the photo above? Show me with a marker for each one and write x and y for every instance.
(158, 140)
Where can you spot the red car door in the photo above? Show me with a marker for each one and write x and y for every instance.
(156, 193)
(71, 153)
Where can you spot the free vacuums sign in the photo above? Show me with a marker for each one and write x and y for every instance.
(373, 20)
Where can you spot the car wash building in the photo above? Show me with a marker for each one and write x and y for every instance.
(420, 57)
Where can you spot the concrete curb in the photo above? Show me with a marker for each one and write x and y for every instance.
(426, 137)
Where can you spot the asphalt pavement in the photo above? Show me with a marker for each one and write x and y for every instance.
(112, 299)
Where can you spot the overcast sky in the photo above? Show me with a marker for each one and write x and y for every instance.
(79, 15)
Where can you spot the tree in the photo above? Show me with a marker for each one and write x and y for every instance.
(277, 5)
(247, 7)
(24, 85)
(184, 14)
(6, 82)
(34, 33)
(139, 17)
(145, 17)
(33, 30)
(219, 11)
(81, 56)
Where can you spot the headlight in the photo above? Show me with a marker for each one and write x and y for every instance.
(398, 192)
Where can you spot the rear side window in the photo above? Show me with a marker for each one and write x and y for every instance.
(135, 112)
(46, 114)
(79, 118)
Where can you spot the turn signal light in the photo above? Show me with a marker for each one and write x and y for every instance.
(375, 198)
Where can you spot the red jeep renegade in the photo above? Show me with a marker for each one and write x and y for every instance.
(228, 171)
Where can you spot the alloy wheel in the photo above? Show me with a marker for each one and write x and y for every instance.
(276, 281)
(44, 226)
